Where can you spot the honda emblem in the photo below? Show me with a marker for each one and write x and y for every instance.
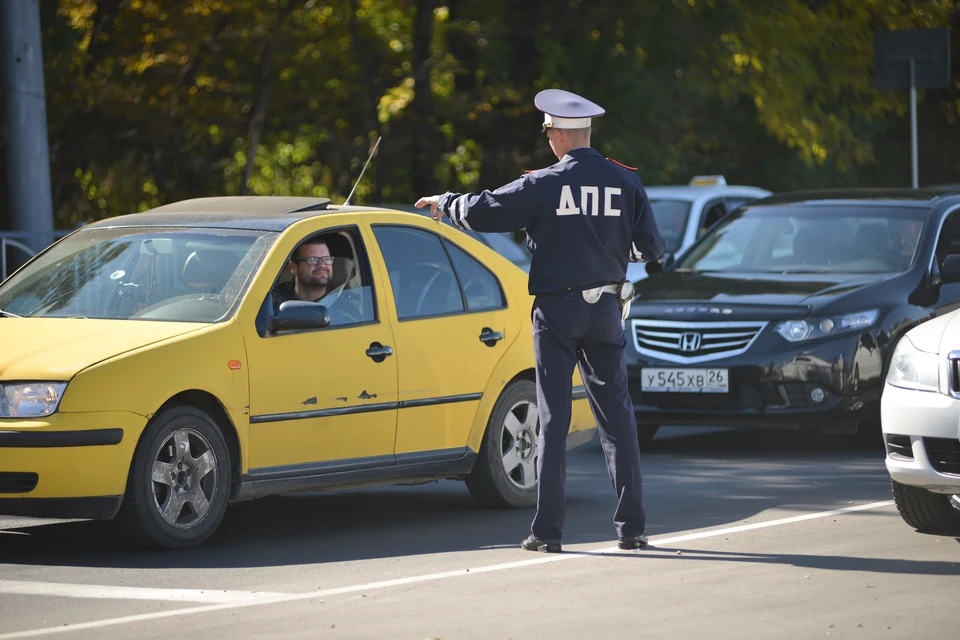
(690, 341)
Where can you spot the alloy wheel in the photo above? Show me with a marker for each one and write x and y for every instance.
(519, 444)
(185, 478)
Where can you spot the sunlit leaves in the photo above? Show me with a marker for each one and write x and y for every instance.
(151, 101)
(808, 68)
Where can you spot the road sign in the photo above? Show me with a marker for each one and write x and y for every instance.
(928, 49)
(912, 59)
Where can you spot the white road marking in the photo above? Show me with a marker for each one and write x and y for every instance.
(63, 590)
(274, 598)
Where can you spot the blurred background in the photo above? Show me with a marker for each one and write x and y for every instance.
(152, 101)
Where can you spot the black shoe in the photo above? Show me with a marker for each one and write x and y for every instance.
(633, 542)
(533, 543)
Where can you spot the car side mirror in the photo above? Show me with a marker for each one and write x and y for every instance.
(299, 315)
(664, 263)
(950, 271)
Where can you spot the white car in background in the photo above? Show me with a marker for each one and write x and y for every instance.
(920, 419)
(684, 212)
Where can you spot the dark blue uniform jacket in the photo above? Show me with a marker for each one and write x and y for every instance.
(585, 217)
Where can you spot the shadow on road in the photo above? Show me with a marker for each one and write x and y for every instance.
(691, 479)
(828, 563)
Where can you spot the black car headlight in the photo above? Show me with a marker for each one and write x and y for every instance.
(30, 399)
(800, 330)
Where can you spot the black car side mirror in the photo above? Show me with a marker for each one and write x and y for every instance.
(950, 271)
(299, 315)
(665, 262)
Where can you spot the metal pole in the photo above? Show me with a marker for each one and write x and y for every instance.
(25, 115)
(913, 121)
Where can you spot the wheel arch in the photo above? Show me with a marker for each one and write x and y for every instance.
(527, 374)
(209, 404)
(496, 385)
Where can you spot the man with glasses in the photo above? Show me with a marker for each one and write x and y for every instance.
(585, 216)
(312, 269)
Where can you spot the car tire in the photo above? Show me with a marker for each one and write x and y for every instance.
(505, 473)
(645, 432)
(926, 511)
(179, 482)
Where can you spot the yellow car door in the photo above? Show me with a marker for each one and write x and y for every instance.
(452, 326)
(328, 394)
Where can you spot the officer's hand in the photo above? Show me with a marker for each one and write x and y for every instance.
(433, 201)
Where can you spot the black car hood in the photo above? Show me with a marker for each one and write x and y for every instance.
(773, 295)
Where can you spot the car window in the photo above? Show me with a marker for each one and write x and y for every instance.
(804, 239)
(344, 286)
(181, 275)
(671, 217)
(481, 289)
(423, 280)
(949, 240)
(712, 213)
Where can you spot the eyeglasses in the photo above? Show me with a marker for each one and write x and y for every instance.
(315, 260)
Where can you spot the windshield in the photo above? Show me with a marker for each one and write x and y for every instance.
(810, 239)
(671, 217)
(184, 275)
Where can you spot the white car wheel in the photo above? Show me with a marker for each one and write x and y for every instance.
(928, 512)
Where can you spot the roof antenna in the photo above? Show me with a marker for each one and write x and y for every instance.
(369, 158)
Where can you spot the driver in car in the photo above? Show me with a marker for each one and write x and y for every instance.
(312, 269)
(905, 234)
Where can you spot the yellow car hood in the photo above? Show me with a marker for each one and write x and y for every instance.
(59, 348)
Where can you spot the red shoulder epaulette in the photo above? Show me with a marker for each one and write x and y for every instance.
(621, 164)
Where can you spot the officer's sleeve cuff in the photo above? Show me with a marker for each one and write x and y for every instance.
(455, 206)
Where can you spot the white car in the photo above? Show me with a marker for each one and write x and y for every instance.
(920, 418)
(684, 212)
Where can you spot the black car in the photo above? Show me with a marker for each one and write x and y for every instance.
(785, 313)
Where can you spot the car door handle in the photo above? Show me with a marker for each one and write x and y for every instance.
(378, 353)
(490, 337)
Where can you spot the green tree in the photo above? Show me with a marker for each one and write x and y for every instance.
(151, 101)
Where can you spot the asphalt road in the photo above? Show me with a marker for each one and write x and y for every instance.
(757, 535)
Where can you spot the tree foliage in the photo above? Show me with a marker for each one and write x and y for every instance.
(151, 101)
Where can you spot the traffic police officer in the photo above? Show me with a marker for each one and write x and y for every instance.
(585, 216)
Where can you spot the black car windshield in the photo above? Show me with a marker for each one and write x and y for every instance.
(810, 239)
(506, 246)
(184, 275)
(671, 217)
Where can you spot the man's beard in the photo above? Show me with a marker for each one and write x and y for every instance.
(321, 279)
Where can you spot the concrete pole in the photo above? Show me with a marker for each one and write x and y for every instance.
(25, 115)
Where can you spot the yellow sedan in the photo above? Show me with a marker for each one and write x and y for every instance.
(157, 366)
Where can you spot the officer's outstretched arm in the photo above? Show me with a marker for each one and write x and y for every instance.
(647, 243)
(509, 208)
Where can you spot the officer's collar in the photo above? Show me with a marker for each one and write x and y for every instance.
(581, 152)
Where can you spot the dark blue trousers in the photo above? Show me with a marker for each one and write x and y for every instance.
(568, 331)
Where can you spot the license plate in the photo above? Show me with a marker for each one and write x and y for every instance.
(686, 380)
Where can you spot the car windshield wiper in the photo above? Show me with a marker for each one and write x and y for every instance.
(802, 271)
(7, 314)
